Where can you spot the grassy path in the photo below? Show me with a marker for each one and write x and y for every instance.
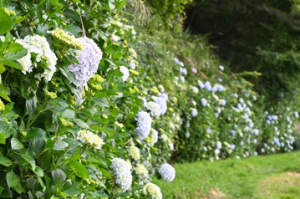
(264, 177)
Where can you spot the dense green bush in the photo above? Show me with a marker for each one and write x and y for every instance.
(254, 36)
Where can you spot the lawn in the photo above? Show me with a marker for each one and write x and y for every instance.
(263, 177)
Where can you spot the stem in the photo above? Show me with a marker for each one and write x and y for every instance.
(82, 24)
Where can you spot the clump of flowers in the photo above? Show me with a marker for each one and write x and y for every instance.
(167, 172)
(88, 58)
(162, 101)
(134, 152)
(125, 73)
(155, 109)
(153, 138)
(152, 190)
(142, 172)
(90, 138)
(40, 46)
(66, 38)
(144, 124)
(121, 169)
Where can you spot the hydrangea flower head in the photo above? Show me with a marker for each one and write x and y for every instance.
(154, 108)
(162, 101)
(144, 124)
(167, 172)
(204, 102)
(142, 172)
(134, 152)
(153, 138)
(152, 190)
(90, 138)
(88, 58)
(194, 112)
(121, 169)
(195, 89)
(40, 46)
(125, 73)
(69, 40)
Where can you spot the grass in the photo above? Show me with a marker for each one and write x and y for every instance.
(264, 177)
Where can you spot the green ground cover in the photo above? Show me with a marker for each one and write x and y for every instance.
(263, 177)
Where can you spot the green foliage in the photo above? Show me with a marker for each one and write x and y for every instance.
(257, 36)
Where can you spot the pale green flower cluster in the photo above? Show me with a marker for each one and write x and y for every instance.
(66, 38)
(90, 138)
(134, 152)
(142, 172)
(152, 190)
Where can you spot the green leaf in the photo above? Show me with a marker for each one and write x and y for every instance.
(5, 22)
(75, 30)
(60, 145)
(11, 56)
(35, 133)
(68, 114)
(2, 69)
(29, 159)
(58, 176)
(1, 189)
(5, 161)
(79, 169)
(2, 138)
(4, 96)
(16, 144)
(81, 123)
(13, 64)
(13, 181)
(39, 171)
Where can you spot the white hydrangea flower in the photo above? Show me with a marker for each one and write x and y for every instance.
(167, 172)
(152, 190)
(90, 138)
(125, 72)
(40, 46)
(164, 138)
(200, 84)
(88, 58)
(144, 124)
(182, 71)
(155, 109)
(121, 169)
(162, 101)
(204, 102)
(134, 152)
(26, 63)
(194, 112)
(195, 89)
(153, 138)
